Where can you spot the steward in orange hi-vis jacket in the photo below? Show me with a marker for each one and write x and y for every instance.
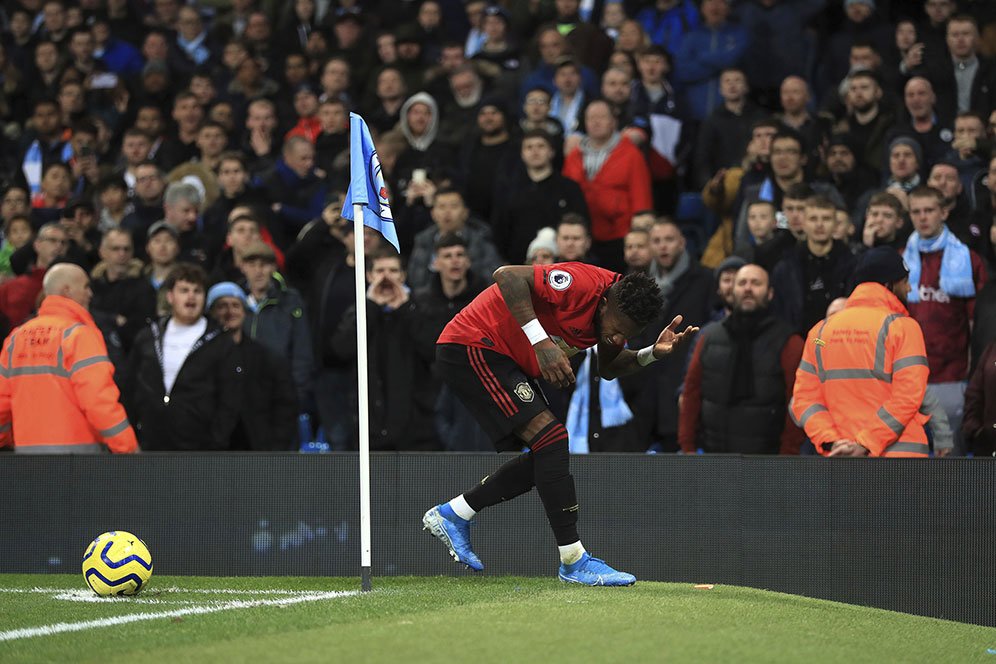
(864, 370)
(57, 384)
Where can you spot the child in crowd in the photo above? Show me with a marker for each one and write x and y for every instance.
(17, 232)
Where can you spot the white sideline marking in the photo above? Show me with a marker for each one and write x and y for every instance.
(60, 628)
(170, 589)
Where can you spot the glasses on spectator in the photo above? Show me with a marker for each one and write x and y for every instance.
(535, 101)
(147, 178)
(780, 151)
(54, 240)
(120, 247)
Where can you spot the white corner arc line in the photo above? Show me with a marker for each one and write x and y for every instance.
(60, 628)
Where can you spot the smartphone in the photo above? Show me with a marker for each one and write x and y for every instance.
(103, 81)
(418, 176)
(86, 150)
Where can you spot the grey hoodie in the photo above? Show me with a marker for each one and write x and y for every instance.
(423, 142)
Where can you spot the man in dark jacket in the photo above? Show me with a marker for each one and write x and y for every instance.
(181, 387)
(816, 273)
(123, 300)
(296, 194)
(398, 367)
(535, 196)
(452, 288)
(276, 317)
(450, 215)
(320, 265)
(688, 290)
(741, 376)
(267, 406)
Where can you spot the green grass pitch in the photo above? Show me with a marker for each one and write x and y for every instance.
(443, 619)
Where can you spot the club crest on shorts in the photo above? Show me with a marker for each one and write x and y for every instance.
(525, 392)
(560, 280)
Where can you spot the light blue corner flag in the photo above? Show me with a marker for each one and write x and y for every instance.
(366, 183)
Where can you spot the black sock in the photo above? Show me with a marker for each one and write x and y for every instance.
(554, 482)
(514, 478)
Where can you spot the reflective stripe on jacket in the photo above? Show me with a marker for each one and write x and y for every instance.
(862, 377)
(57, 391)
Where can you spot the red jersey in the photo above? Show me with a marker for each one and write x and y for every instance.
(565, 297)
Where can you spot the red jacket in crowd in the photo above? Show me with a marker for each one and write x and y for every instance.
(620, 189)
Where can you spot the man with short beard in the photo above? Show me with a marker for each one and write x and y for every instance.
(851, 177)
(741, 377)
(867, 122)
(486, 162)
(459, 113)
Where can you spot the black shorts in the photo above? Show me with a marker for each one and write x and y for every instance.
(499, 395)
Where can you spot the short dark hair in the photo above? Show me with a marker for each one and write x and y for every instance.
(866, 73)
(383, 252)
(800, 191)
(111, 182)
(447, 240)
(924, 191)
(759, 201)
(574, 219)
(539, 133)
(447, 190)
(183, 95)
(791, 134)
(820, 202)
(233, 155)
(244, 217)
(885, 199)
(639, 298)
(189, 272)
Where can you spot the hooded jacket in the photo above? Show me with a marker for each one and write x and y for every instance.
(863, 376)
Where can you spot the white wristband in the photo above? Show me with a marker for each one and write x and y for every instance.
(645, 356)
(535, 332)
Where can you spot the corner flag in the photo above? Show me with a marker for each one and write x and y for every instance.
(366, 183)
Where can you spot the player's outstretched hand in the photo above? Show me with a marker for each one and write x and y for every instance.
(553, 364)
(669, 338)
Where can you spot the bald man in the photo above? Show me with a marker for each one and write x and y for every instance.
(57, 392)
(742, 372)
(70, 281)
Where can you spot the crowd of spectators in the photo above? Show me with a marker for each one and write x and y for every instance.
(193, 158)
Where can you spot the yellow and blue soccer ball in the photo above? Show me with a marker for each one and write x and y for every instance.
(117, 563)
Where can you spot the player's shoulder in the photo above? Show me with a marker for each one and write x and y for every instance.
(575, 275)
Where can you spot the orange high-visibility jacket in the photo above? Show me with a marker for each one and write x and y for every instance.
(863, 376)
(57, 386)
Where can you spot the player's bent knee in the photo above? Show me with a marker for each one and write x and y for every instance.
(529, 431)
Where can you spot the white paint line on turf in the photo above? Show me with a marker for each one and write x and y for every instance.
(171, 589)
(61, 628)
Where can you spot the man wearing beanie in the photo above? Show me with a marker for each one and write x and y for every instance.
(903, 162)
(725, 274)
(740, 377)
(863, 373)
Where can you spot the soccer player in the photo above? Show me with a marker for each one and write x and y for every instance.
(525, 326)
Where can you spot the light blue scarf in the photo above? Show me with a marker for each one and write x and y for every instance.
(195, 48)
(615, 412)
(956, 264)
(32, 164)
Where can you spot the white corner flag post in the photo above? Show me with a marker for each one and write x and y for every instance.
(366, 189)
(364, 396)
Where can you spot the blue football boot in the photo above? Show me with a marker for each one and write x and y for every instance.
(454, 532)
(591, 571)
